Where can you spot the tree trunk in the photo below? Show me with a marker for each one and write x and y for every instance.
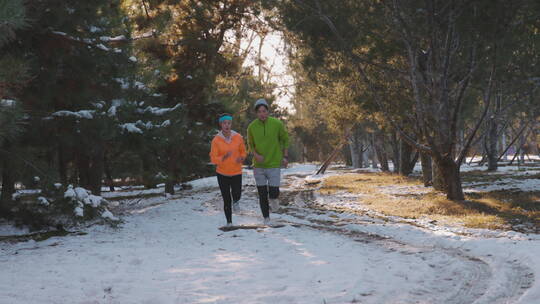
(427, 173)
(395, 152)
(171, 173)
(373, 155)
(8, 182)
(447, 178)
(493, 136)
(406, 158)
(108, 172)
(62, 164)
(96, 169)
(503, 145)
(436, 177)
(83, 168)
(380, 151)
(347, 155)
(522, 142)
(355, 154)
(356, 147)
(491, 145)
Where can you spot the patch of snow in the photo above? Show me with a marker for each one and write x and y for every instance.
(70, 193)
(79, 211)
(116, 38)
(7, 102)
(86, 114)
(102, 47)
(95, 29)
(131, 128)
(112, 111)
(43, 201)
(108, 215)
(160, 111)
(93, 200)
(7, 229)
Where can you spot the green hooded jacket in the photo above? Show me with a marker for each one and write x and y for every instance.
(268, 139)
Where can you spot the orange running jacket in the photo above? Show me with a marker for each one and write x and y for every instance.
(220, 146)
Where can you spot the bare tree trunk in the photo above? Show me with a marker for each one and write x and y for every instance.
(522, 142)
(446, 178)
(395, 151)
(347, 155)
(8, 181)
(493, 136)
(381, 153)
(503, 145)
(373, 154)
(62, 164)
(354, 152)
(83, 168)
(437, 177)
(108, 172)
(427, 174)
(96, 169)
(491, 145)
(406, 157)
(356, 147)
(171, 173)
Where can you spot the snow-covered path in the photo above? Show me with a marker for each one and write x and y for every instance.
(170, 250)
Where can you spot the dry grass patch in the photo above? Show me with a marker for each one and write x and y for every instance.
(407, 197)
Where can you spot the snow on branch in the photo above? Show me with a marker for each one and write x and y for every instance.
(130, 128)
(86, 114)
(7, 102)
(160, 111)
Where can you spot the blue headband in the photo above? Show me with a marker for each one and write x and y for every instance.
(226, 117)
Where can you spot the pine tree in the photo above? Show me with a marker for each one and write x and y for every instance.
(13, 76)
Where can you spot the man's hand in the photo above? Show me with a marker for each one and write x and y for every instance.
(259, 158)
(285, 161)
(240, 159)
(227, 155)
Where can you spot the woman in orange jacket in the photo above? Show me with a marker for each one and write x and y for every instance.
(228, 152)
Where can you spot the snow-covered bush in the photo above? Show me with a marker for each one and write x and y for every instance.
(58, 206)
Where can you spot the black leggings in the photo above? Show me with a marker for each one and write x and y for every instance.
(226, 184)
(264, 193)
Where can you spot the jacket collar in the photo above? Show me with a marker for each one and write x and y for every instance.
(228, 140)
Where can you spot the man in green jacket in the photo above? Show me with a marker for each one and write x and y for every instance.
(268, 141)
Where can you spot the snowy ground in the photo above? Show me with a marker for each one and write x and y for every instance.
(170, 250)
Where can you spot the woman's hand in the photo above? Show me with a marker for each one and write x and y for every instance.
(259, 158)
(227, 155)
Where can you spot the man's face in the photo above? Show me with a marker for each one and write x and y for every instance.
(226, 125)
(262, 113)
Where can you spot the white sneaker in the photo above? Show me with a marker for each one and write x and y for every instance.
(236, 207)
(267, 221)
(274, 204)
(229, 225)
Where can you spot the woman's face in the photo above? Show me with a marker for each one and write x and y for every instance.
(226, 125)
(262, 113)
